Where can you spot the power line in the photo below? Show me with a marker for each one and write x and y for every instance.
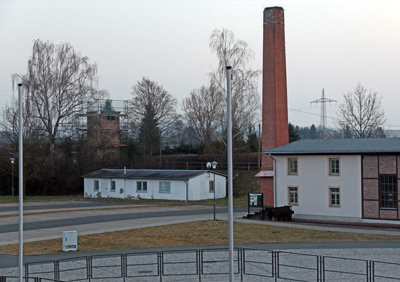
(323, 102)
(310, 113)
(334, 118)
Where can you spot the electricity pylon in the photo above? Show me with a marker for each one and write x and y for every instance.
(323, 102)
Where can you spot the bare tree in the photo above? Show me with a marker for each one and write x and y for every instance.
(361, 113)
(35, 149)
(147, 93)
(58, 82)
(245, 97)
(202, 111)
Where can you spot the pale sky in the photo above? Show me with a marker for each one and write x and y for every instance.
(330, 44)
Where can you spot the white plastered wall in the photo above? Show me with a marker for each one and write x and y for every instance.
(313, 182)
(198, 188)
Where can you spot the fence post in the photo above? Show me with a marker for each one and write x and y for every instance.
(89, 266)
(319, 278)
(372, 271)
(369, 271)
(276, 265)
(160, 264)
(241, 256)
(26, 270)
(198, 258)
(123, 266)
(57, 270)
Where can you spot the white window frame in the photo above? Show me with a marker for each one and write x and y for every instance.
(166, 189)
(113, 185)
(292, 170)
(211, 186)
(96, 185)
(333, 202)
(141, 186)
(294, 192)
(330, 164)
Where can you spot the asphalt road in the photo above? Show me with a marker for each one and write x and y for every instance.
(74, 205)
(110, 218)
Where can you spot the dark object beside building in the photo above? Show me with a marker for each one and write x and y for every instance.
(283, 213)
(278, 214)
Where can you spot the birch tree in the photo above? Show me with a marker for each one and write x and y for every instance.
(58, 81)
(245, 97)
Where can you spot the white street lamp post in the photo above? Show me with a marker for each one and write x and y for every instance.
(230, 170)
(12, 178)
(20, 186)
(213, 165)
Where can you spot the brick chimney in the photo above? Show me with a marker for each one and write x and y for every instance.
(274, 106)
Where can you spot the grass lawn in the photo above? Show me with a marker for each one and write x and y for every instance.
(192, 234)
(8, 199)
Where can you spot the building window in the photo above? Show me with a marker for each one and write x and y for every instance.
(141, 186)
(112, 186)
(165, 187)
(334, 197)
(388, 191)
(96, 185)
(292, 166)
(110, 117)
(293, 196)
(211, 186)
(334, 166)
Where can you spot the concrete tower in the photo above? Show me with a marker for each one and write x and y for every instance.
(274, 106)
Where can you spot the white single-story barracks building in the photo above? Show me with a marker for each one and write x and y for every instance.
(339, 179)
(182, 185)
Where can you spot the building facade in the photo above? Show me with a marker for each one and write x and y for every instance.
(182, 185)
(344, 179)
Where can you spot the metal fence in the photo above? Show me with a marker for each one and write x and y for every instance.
(209, 265)
(203, 165)
(27, 279)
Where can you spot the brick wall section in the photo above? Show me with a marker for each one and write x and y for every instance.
(267, 187)
(373, 166)
(370, 167)
(388, 214)
(371, 209)
(398, 189)
(398, 168)
(274, 106)
(110, 129)
(370, 189)
(387, 165)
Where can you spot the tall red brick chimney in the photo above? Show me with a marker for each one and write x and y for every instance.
(274, 106)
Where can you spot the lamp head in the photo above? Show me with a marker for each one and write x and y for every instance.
(12, 160)
(214, 165)
(208, 165)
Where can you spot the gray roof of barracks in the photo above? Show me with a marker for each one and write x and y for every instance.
(338, 146)
(146, 174)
